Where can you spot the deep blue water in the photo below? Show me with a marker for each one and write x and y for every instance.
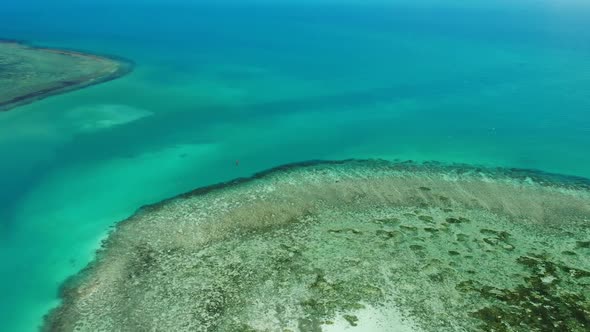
(501, 84)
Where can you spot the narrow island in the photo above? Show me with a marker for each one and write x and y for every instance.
(29, 73)
(352, 245)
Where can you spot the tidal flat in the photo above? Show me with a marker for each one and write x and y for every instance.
(361, 245)
(29, 73)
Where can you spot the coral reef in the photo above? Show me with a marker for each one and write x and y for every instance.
(300, 247)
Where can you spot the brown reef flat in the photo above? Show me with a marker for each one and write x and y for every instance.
(29, 73)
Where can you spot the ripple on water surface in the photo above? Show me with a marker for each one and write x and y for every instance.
(354, 245)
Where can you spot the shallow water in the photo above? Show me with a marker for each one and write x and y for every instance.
(500, 85)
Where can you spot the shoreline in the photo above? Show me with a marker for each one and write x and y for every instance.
(123, 67)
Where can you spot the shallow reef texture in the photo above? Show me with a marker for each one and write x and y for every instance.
(353, 245)
(30, 73)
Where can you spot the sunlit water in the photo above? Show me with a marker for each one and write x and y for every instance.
(492, 84)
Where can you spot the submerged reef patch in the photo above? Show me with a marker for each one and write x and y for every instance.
(317, 246)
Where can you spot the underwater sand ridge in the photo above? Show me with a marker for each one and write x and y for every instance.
(305, 246)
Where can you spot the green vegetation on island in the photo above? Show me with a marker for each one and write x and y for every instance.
(30, 73)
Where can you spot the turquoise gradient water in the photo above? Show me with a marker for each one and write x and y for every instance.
(267, 83)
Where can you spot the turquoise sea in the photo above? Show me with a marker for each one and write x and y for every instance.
(502, 83)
